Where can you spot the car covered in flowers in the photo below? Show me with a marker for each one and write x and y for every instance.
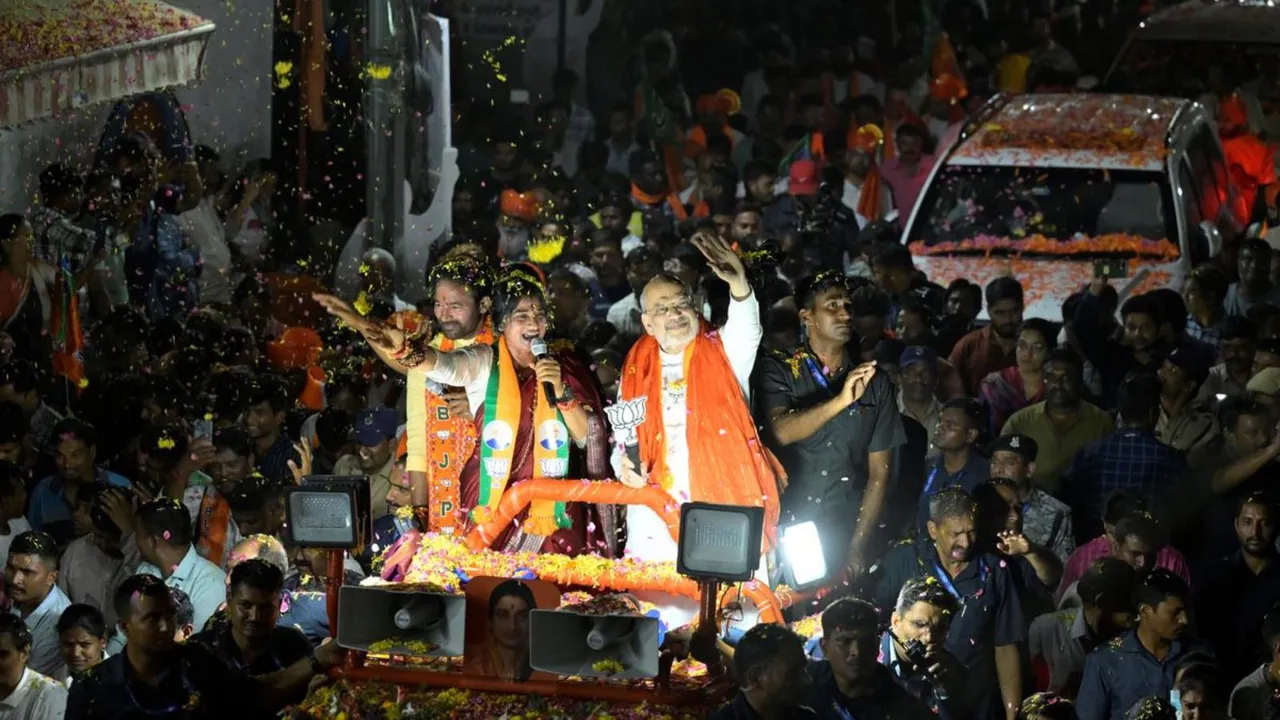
(1042, 187)
(395, 678)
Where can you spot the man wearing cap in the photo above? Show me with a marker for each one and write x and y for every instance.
(783, 215)
(374, 432)
(1182, 426)
(1046, 521)
(958, 463)
(831, 422)
(865, 192)
(917, 390)
(1264, 387)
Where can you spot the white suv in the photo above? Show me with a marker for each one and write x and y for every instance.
(1042, 186)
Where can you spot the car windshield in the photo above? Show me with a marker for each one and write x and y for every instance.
(1190, 69)
(1046, 211)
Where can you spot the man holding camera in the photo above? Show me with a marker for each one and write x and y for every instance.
(912, 648)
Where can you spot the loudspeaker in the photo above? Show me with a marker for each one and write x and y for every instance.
(369, 615)
(566, 643)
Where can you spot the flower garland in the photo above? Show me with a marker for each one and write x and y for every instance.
(347, 701)
(441, 560)
(1118, 243)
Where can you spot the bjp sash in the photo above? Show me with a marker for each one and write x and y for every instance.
(502, 411)
(728, 464)
(213, 522)
(439, 443)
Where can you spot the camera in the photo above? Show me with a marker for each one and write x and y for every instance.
(916, 653)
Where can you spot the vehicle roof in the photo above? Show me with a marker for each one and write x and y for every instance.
(1114, 132)
(1256, 21)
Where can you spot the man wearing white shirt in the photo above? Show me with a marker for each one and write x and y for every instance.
(30, 574)
(27, 694)
(624, 315)
(697, 441)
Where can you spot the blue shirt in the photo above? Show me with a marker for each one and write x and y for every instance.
(48, 501)
(43, 625)
(202, 581)
(1121, 673)
(990, 611)
(1132, 460)
(888, 700)
(308, 611)
(973, 475)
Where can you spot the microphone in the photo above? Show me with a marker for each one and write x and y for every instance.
(539, 348)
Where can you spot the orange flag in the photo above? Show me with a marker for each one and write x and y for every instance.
(68, 336)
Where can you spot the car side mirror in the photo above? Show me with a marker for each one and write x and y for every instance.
(1211, 237)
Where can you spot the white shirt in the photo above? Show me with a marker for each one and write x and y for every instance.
(17, 526)
(90, 576)
(208, 234)
(853, 193)
(624, 316)
(250, 239)
(43, 624)
(648, 538)
(36, 697)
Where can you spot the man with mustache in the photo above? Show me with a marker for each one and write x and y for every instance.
(832, 422)
(251, 641)
(987, 634)
(1235, 593)
(440, 426)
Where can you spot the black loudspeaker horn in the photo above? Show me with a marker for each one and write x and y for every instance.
(400, 620)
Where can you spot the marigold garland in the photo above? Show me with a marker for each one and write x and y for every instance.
(441, 560)
(346, 701)
(1118, 243)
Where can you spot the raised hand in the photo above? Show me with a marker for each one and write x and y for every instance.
(724, 262)
(855, 384)
(382, 337)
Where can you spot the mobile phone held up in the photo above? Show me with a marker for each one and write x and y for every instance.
(1110, 269)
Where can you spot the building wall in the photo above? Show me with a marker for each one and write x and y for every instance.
(230, 110)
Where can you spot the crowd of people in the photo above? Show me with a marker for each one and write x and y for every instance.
(1020, 516)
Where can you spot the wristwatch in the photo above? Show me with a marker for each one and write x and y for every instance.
(316, 667)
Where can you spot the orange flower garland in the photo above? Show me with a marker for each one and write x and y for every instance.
(1117, 243)
(450, 443)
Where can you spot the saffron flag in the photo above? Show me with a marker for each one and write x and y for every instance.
(68, 336)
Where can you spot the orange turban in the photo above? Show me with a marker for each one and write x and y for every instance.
(521, 206)
(297, 348)
(867, 139)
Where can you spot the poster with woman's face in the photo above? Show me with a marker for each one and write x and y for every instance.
(498, 625)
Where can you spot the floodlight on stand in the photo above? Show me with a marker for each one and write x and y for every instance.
(328, 512)
(806, 565)
(719, 542)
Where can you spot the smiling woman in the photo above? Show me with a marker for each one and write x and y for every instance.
(522, 432)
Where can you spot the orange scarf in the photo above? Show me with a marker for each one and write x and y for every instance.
(650, 200)
(212, 525)
(728, 463)
(447, 444)
(869, 196)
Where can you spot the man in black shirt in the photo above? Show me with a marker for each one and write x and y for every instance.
(834, 426)
(987, 633)
(849, 683)
(914, 648)
(156, 678)
(770, 666)
(1235, 593)
(251, 642)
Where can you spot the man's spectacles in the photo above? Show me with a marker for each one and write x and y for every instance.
(677, 308)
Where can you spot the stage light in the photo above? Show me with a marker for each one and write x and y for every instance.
(719, 542)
